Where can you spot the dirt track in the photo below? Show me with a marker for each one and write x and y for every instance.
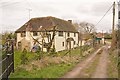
(75, 72)
(99, 72)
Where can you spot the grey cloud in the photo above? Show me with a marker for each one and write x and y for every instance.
(68, 16)
(99, 9)
(48, 10)
(90, 10)
(96, 9)
(42, 7)
(85, 9)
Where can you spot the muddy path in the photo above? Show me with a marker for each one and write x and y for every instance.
(77, 70)
(101, 69)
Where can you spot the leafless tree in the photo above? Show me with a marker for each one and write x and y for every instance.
(43, 35)
(43, 43)
(87, 27)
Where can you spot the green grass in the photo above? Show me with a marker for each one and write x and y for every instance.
(90, 69)
(32, 56)
(109, 40)
(76, 51)
(20, 73)
(52, 71)
(113, 69)
(17, 60)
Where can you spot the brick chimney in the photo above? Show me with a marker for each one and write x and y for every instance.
(70, 21)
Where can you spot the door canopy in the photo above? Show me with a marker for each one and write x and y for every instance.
(69, 39)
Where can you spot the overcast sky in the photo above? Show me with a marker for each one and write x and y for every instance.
(14, 13)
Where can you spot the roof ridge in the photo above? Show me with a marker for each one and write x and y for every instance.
(47, 22)
(43, 17)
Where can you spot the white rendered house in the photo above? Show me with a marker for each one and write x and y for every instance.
(36, 27)
(119, 13)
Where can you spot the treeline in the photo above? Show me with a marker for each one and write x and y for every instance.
(118, 47)
(7, 35)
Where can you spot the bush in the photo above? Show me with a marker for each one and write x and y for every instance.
(40, 53)
(23, 57)
(53, 51)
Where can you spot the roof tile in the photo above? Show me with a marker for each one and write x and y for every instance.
(47, 23)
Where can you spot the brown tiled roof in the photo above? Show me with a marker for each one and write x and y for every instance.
(99, 35)
(47, 23)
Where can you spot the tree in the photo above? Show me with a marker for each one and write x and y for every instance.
(44, 35)
(6, 36)
(43, 43)
(86, 31)
(87, 27)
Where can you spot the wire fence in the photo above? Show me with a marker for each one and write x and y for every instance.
(7, 61)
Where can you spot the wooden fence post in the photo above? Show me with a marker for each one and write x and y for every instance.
(13, 56)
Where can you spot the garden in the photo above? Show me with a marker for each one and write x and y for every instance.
(47, 65)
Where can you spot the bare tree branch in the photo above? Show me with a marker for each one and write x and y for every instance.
(87, 27)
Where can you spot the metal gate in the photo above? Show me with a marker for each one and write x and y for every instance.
(7, 61)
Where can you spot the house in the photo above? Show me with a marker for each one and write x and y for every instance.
(118, 13)
(66, 36)
(100, 38)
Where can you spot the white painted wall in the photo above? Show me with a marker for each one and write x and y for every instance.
(83, 43)
(58, 40)
(19, 38)
(118, 12)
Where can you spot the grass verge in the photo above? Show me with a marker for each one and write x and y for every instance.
(113, 62)
(90, 69)
(17, 55)
(52, 71)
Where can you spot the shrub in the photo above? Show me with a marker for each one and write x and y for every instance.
(23, 57)
(53, 51)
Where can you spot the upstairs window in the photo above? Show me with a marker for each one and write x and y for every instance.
(35, 34)
(44, 34)
(68, 34)
(119, 15)
(23, 34)
(74, 34)
(60, 33)
(49, 37)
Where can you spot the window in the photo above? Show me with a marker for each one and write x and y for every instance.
(74, 34)
(23, 34)
(60, 33)
(35, 34)
(68, 34)
(44, 34)
(62, 43)
(119, 15)
(19, 45)
(74, 42)
(49, 37)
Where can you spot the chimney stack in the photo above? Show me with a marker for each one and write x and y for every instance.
(70, 21)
